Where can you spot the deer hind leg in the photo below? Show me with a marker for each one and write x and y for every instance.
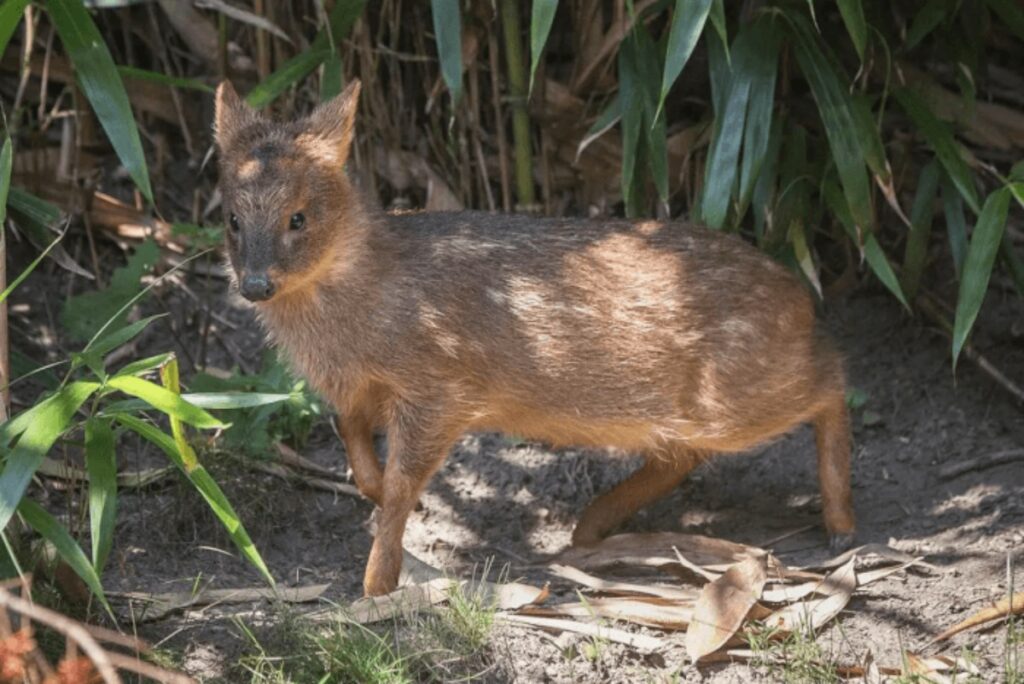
(832, 433)
(658, 476)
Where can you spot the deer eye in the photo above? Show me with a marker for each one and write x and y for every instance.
(233, 221)
(297, 221)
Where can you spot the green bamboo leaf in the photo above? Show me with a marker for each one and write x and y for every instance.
(214, 401)
(542, 15)
(448, 31)
(101, 464)
(10, 16)
(92, 354)
(330, 81)
(68, 549)
(1011, 14)
(763, 194)
(632, 119)
(717, 18)
(605, 121)
(981, 256)
(164, 400)
(6, 160)
(135, 73)
(926, 20)
(719, 74)
(654, 131)
(941, 140)
(142, 366)
(102, 85)
(915, 255)
(754, 55)
(869, 137)
(339, 23)
(758, 124)
(834, 106)
(39, 427)
(207, 488)
(956, 223)
(687, 24)
(856, 24)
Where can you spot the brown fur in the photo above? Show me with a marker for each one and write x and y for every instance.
(661, 338)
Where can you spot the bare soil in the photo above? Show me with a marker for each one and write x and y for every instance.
(516, 502)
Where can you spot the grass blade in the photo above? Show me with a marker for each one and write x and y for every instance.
(40, 427)
(941, 140)
(717, 17)
(102, 85)
(605, 121)
(834, 106)
(758, 125)
(856, 25)
(632, 119)
(927, 19)
(981, 256)
(10, 16)
(215, 401)
(68, 549)
(164, 400)
(6, 160)
(542, 15)
(101, 465)
(687, 24)
(448, 31)
(138, 74)
(205, 485)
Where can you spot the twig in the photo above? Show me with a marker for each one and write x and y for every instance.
(981, 463)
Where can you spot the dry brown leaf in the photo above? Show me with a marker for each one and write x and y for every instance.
(723, 604)
(880, 550)
(787, 593)
(1005, 607)
(402, 601)
(628, 588)
(656, 550)
(652, 612)
(640, 641)
(160, 605)
(837, 588)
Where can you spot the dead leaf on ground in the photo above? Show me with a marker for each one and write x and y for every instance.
(837, 588)
(639, 641)
(723, 605)
(628, 588)
(657, 550)
(1003, 608)
(649, 611)
(160, 605)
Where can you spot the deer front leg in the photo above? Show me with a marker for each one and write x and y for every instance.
(418, 443)
(356, 431)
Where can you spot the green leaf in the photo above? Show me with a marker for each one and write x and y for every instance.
(981, 256)
(605, 121)
(761, 102)
(207, 488)
(856, 25)
(101, 464)
(40, 426)
(1011, 14)
(86, 314)
(342, 16)
(330, 81)
(753, 61)
(719, 74)
(930, 16)
(717, 17)
(448, 32)
(687, 24)
(102, 85)
(834, 106)
(135, 73)
(164, 400)
(542, 15)
(214, 401)
(956, 223)
(654, 132)
(941, 140)
(10, 16)
(763, 193)
(93, 353)
(145, 365)
(915, 255)
(6, 159)
(632, 119)
(68, 549)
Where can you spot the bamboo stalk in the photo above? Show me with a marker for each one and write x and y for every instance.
(518, 101)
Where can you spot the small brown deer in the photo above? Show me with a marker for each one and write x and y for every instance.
(661, 338)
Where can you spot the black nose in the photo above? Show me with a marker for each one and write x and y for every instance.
(257, 287)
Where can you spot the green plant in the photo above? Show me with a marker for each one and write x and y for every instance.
(255, 431)
(794, 657)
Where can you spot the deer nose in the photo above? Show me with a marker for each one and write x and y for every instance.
(257, 287)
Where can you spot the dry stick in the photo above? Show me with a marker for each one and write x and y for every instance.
(478, 150)
(499, 120)
(517, 97)
(69, 628)
(26, 73)
(981, 463)
(928, 307)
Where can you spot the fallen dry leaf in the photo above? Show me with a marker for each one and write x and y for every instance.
(1005, 607)
(648, 611)
(402, 601)
(628, 588)
(640, 641)
(656, 550)
(722, 606)
(837, 588)
(159, 605)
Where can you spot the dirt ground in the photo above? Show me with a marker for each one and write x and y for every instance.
(516, 502)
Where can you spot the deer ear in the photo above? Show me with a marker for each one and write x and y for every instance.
(231, 115)
(332, 122)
